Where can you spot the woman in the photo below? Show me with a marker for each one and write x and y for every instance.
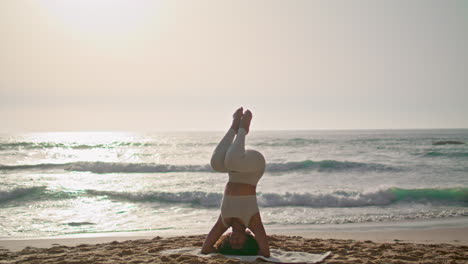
(239, 209)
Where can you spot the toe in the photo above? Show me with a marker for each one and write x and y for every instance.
(248, 114)
(238, 113)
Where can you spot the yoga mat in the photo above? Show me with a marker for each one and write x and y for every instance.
(276, 256)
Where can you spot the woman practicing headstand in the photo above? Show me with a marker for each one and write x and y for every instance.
(239, 209)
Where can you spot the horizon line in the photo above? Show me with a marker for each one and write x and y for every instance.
(221, 130)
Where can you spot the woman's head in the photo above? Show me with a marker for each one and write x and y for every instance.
(237, 243)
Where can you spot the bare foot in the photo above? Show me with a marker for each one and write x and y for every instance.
(236, 119)
(245, 121)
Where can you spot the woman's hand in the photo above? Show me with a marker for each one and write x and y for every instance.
(213, 236)
(208, 250)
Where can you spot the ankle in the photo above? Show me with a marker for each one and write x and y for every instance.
(242, 130)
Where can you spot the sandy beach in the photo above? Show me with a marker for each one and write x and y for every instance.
(441, 245)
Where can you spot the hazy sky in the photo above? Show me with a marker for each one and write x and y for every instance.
(186, 65)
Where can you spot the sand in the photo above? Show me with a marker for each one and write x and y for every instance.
(146, 250)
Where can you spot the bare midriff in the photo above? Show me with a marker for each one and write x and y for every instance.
(235, 188)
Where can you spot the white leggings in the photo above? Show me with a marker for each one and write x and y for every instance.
(232, 156)
(244, 166)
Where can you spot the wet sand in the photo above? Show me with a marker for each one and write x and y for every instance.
(444, 245)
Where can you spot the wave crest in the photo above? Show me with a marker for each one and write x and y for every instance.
(445, 154)
(17, 193)
(327, 165)
(35, 166)
(448, 196)
(335, 199)
(36, 193)
(295, 142)
(113, 167)
(123, 167)
(198, 198)
(22, 145)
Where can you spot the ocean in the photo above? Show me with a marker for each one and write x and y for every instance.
(64, 183)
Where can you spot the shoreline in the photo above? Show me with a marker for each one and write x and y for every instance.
(446, 231)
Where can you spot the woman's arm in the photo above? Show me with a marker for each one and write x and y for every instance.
(257, 228)
(213, 236)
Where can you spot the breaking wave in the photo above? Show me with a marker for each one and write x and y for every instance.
(291, 142)
(17, 193)
(336, 199)
(448, 196)
(195, 197)
(446, 154)
(327, 165)
(25, 145)
(115, 167)
(34, 193)
(35, 166)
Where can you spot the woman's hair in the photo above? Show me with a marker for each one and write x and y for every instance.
(250, 247)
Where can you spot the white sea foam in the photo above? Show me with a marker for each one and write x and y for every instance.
(335, 199)
(126, 167)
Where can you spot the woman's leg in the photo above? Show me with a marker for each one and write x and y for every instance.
(219, 154)
(241, 160)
